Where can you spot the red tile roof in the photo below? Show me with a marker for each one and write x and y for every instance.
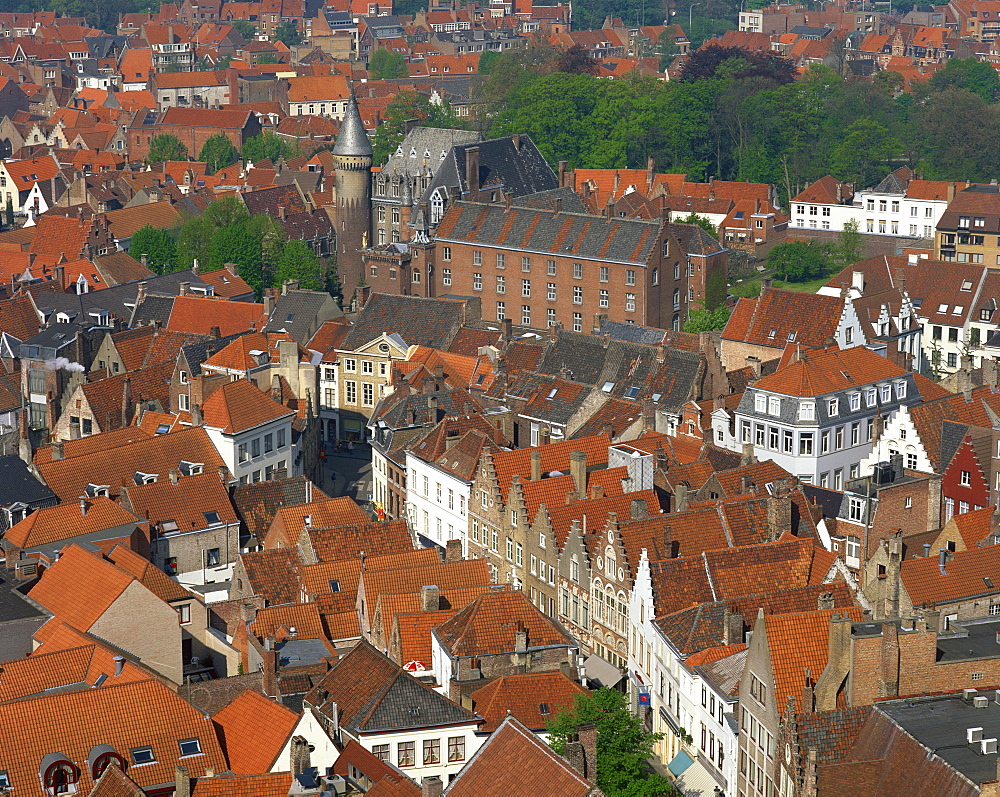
(555, 456)
(512, 757)
(488, 626)
(55, 523)
(238, 406)
(254, 730)
(184, 503)
(290, 520)
(824, 371)
(201, 313)
(533, 698)
(800, 642)
(969, 573)
(774, 317)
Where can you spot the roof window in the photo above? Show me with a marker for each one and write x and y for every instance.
(212, 517)
(608, 387)
(168, 525)
(966, 285)
(189, 747)
(632, 392)
(553, 392)
(142, 755)
(957, 309)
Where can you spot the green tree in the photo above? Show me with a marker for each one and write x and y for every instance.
(850, 246)
(268, 146)
(246, 29)
(384, 65)
(158, 245)
(487, 61)
(703, 320)
(193, 238)
(864, 154)
(288, 33)
(798, 261)
(970, 74)
(268, 58)
(297, 261)
(666, 47)
(218, 152)
(702, 221)
(623, 744)
(9, 213)
(166, 147)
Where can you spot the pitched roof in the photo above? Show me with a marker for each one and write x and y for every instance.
(533, 698)
(511, 757)
(200, 314)
(258, 503)
(968, 574)
(490, 624)
(239, 405)
(290, 520)
(146, 713)
(254, 730)
(135, 451)
(370, 692)
(555, 456)
(800, 642)
(818, 372)
(778, 316)
(425, 322)
(55, 523)
(186, 504)
(79, 587)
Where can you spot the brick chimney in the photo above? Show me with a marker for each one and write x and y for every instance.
(536, 465)
(453, 551)
(578, 470)
(430, 598)
(431, 786)
(472, 172)
(182, 782)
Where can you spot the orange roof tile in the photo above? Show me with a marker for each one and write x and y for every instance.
(533, 698)
(238, 406)
(824, 371)
(414, 630)
(61, 522)
(290, 520)
(967, 574)
(200, 314)
(275, 784)
(555, 456)
(254, 730)
(800, 642)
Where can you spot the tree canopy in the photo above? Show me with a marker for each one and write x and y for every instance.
(166, 147)
(218, 152)
(268, 146)
(384, 65)
(404, 106)
(158, 245)
(288, 33)
(623, 744)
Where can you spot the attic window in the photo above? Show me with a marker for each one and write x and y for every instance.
(608, 387)
(191, 468)
(553, 392)
(169, 525)
(334, 585)
(163, 428)
(543, 709)
(414, 711)
(144, 478)
(942, 308)
(632, 392)
(656, 396)
(142, 755)
(957, 310)
(791, 335)
(189, 747)
(480, 379)
(966, 285)
(98, 490)
(771, 334)
(212, 517)
(289, 317)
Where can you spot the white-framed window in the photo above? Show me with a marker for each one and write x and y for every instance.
(629, 302)
(760, 402)
(856, 509)
(577, 294)
(807, 411)
(773, 405)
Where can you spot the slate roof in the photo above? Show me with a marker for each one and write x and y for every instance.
(633, 333)
(518, 168)
(564, 198)
(830, 733)
(352, 138)
(545, 232)
(424, 322)
(18, 484)
(512, 757)
(299, 313)
(370, 692)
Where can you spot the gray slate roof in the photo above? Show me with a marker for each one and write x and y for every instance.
(587, 236)
(633, 333)
(18, 484)
(422, 322)
(300, 313)
(352, 138)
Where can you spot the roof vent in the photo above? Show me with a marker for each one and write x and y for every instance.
(980, 702)
(973, 735)
(968, 694)
(988, 746)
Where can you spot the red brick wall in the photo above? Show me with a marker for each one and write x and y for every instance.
(977, 493)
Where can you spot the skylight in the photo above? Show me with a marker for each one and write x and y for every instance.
(632, 392)
(553, 392)
(212, 517)
(958, 310)
(163, 428)
(608, 387)
(942, 308)
(966, 285)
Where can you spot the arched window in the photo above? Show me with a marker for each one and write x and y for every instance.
(437, 207)
(61, 777)
(103, 761)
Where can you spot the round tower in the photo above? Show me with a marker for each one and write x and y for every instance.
(353, 156)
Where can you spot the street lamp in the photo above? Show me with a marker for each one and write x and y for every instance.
(690, 12)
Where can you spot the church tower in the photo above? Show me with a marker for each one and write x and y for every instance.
(353, 156)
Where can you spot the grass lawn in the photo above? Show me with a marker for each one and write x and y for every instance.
(751, 286)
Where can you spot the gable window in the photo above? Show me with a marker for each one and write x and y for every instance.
(774, 405)
(856, 509)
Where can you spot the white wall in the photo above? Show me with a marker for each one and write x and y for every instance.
(454, 519)
(228, 447)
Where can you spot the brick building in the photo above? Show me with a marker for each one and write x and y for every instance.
(540, 266)
(194, 126)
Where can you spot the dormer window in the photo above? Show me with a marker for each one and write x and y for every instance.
(191, 468)
(144, 478)
(832, 406)
(807, 411)
(98, 490)
(61, 776)
(101, 757)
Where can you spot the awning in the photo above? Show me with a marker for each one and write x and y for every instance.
(680, 764)
(697, 781)
(601, 671)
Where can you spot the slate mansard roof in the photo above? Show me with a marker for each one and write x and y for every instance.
(548, 232)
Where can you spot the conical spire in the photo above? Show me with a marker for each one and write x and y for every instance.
(352, 138)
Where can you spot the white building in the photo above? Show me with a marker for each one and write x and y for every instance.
(894, 207)
(251, 431)
(815, 416)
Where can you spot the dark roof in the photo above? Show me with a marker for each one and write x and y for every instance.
(257, 504)
(352, 138)
(830, 733)
(299, 313)
(196, 353)
(424, 322)
(567, 199)
(17, 483)
(633, 333)
(546, 231)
